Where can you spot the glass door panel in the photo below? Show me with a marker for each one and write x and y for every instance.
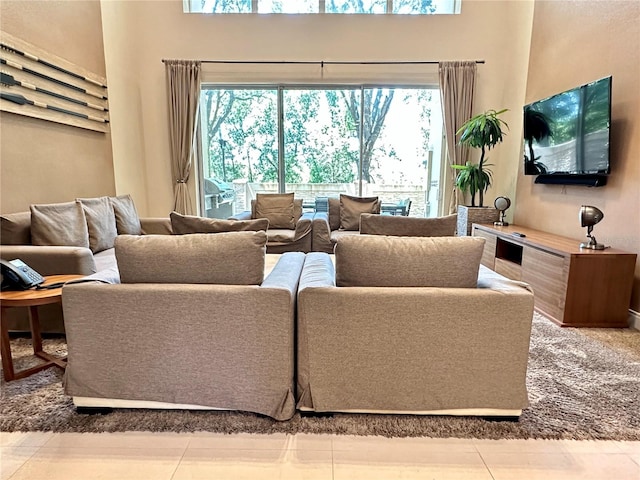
(402, 149)
(321, 146)
(239, 148)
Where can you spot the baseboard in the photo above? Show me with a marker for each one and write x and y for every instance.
(634, 319)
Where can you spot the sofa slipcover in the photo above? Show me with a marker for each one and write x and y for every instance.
(163, 345)
(423, 350)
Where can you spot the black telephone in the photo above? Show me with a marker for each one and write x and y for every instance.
(17, 275)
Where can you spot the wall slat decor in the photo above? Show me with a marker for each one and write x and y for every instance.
(42, 85)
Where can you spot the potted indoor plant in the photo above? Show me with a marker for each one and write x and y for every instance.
(483, 131)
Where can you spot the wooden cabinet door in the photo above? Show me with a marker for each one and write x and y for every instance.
(547, 274)
(489, 253)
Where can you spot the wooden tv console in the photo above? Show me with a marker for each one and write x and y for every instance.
(574, 287)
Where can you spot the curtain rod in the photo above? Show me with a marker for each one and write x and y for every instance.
(322, 63)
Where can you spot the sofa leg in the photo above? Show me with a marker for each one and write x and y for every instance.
(94, 410)
(501, 419)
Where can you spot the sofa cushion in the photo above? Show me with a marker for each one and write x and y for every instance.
(334, 213)
(59, 224)
(185, 224)
(351, 208)
(233, 258)
(101, 222)
(15, 228)
(400, 226)
(278, 208)
(127, 219)
(383, 261)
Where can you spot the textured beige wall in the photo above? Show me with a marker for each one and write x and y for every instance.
(496, 31)
(42, 161)
(574, 42)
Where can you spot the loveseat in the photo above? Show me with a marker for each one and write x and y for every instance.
(192, 322)
(411, 325)
(69, 238)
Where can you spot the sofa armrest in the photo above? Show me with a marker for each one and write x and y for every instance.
(321, 237)
(52, 260)
(318, 271)
(304, 226)
(286, 273)
(156, 226)
(246, 215)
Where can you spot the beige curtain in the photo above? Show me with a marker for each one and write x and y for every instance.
(183, 88)
(457, 85)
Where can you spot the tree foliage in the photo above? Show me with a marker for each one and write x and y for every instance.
(321, 133)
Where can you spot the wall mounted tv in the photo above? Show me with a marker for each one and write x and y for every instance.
(566, 136)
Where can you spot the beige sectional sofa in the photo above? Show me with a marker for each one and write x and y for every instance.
(69, 238)
(200, 326)
(407, 325)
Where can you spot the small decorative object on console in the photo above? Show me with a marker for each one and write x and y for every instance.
(589, 216)
(502, 204)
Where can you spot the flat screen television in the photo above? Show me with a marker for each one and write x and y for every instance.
(566, 136)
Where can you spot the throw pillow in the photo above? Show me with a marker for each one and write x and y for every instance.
(59, 224)
(127, 219)
(382, 261)
(101, 222)
(15, 228)
(278, 208)
(185, 224)
(352, 207)
(233, 258)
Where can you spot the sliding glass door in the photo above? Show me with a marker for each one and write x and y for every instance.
(360, 140)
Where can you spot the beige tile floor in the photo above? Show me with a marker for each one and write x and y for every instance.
(159, 456)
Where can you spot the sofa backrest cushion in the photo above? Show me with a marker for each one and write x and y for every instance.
(185, 224)
(234, 258)
(352, 207)
(400, 226)
(334, 213)
(384, 261)
(101, 222)
(59, 224)
(278, 208)
(15, 228)
(127, 219)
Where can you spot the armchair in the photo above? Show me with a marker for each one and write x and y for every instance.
(341, 219)
(289, 228)
(411, 325)
(193, 323)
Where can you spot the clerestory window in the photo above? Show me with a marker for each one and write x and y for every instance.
(400, 7)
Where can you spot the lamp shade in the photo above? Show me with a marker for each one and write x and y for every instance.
(589, 215)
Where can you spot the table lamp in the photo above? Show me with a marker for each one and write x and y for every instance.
(589, 216)
(501, 203)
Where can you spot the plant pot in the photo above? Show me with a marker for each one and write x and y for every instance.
(470, 215)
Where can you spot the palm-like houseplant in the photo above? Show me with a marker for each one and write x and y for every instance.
(484, 131)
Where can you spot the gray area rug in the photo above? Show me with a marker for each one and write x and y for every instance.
(583, 384)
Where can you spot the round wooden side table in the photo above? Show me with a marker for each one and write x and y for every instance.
(32, 299)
